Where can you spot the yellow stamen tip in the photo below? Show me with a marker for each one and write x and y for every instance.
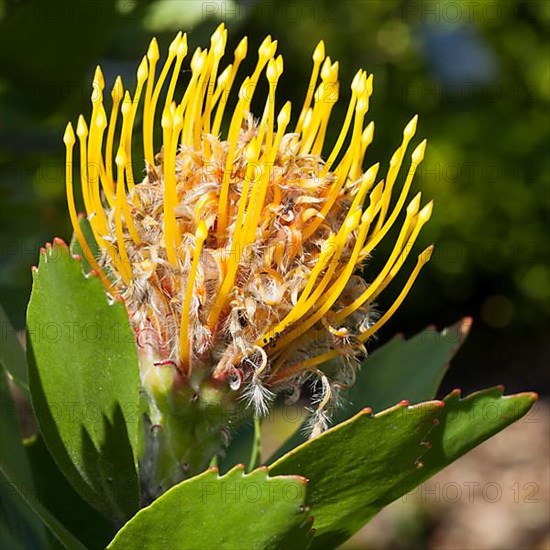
(224, 76)
(153, 52)
(376, 194)
(118, 90)
(418, 154)
(272, 48)
(202, 231)
(319, 53)
(272, 72)
(356, 80)
(368, 134)
(425, 256)
(265, 47)
(218, 33)
(371, 173)
(183, 43)
(243, 91)
(81, 127)
(68, 136)
(410, 129)
(426, 212)
(98, 78)
(174, 45)
(414, 205)
(361, 85)
(242, 49)
(370, 84)
(280, 64)
(325, 70)
(101, 119)
(284, 116)
(217, 40)
(143, 70)
(126, 104)
(198, 60)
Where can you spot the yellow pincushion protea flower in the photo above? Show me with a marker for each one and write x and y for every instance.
(235, 255)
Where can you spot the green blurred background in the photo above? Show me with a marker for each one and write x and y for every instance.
(477, 73)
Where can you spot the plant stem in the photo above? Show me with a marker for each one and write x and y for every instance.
(256, 445)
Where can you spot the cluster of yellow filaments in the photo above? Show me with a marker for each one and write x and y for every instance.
(236, 257)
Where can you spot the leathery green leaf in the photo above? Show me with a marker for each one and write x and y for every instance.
(18, 520)
(362, 465)
(405, 369)
(353, 465)
(464, 424)
(237, 510)
(12, 356)
(84, 380)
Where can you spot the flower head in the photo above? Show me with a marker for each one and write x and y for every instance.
(235, 252)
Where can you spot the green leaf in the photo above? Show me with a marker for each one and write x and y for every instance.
(464, 424)
(8, 539)
(244, 448)
(75, 247)
(239, 450)
(362, 465)
(352, 465)
(405, 369)
(236, 510)
(17, 520)
(56, 528)
(12, 356)
(83, 373)
(409, 370)
(57, 494)
(22, 517)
